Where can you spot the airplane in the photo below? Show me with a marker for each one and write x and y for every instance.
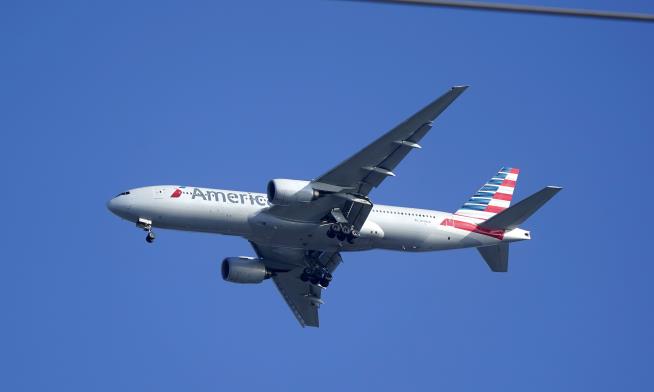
(298, 229)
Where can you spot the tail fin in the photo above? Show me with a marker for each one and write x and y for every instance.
(494, 197)
(514, 216)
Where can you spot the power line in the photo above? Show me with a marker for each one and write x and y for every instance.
(524, 9)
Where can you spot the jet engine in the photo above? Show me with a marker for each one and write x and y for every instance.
(284, 192)
(244, 270)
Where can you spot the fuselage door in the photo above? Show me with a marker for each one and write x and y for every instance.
(160, 192)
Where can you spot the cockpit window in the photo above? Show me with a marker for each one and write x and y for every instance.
(123, 194)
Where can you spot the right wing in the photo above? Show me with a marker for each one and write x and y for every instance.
(303, 298)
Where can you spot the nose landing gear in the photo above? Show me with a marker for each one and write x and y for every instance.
(150, 237)
(146, 225)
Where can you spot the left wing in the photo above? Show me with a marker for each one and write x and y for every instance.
(370, 166)
(303, 298)
(347, 185)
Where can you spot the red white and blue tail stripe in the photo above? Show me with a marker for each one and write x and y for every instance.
(494, 197)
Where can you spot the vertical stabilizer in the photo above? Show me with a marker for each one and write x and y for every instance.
(494, 197)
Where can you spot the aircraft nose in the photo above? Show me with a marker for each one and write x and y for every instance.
(112, 205)
(120, 205)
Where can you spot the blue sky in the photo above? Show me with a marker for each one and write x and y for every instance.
(101, 97)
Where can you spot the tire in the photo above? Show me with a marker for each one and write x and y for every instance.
(304, 277)
(355, 233)
(315, 280)
(324, 283)
(335, 227)
(330, 233)
(346, 230)
(341, 236)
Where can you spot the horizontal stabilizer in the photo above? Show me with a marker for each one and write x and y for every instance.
(515, 215)
(496, 256)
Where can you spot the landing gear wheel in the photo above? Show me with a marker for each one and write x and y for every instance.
(304, 277)
(315, 280)
(324, 282)
(346, 230)
(353, 236)
(150, 237)
(334, 230)
(340, 236)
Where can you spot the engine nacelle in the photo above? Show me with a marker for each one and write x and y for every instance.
(284, 192)
(244, 270)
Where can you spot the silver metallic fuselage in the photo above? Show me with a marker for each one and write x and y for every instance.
(246, 214)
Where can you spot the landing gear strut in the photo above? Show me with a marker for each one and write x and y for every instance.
(317, 275)
(343, 231)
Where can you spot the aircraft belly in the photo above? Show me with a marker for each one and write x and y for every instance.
(403, 234)
(196, 216)
(446, 237)
(271, 230)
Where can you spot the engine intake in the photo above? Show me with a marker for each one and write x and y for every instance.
(284, 192)
(244, 270)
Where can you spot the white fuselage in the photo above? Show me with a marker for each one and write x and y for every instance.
(245, 214)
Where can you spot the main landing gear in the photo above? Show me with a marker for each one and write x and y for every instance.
(317, 275)
(146, 225)
(343, 231)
